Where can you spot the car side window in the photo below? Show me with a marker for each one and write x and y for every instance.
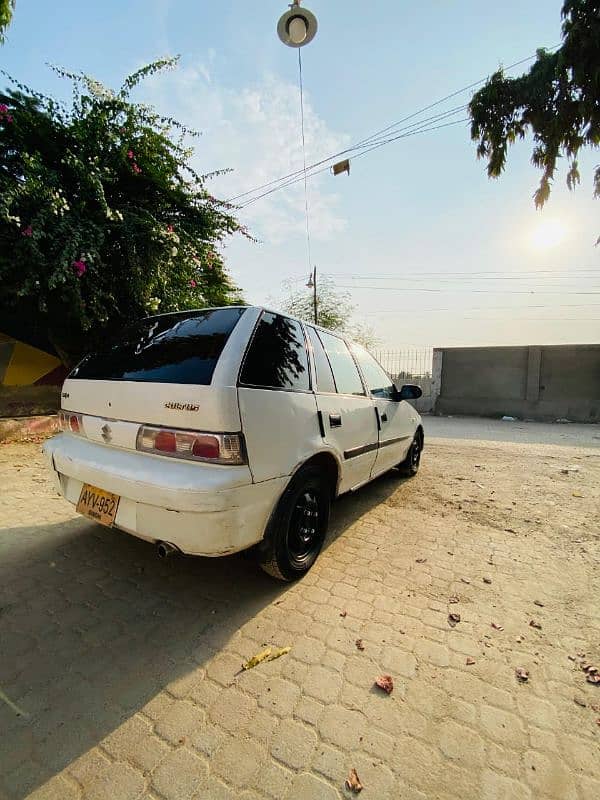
(378, 381)
(277, 357)
(345, 372)
(324, 376)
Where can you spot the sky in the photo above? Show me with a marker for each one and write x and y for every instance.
(431, 250)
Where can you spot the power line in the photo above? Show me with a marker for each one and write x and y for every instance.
(479, 308)
(479, 291)
(375, 137)
(324, 169)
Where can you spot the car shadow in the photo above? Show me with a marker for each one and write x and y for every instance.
(93, 625)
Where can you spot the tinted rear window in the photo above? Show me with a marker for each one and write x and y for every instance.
(172, 348)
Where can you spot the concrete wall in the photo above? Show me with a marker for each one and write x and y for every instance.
(548, 382)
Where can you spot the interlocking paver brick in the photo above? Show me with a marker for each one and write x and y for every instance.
(181, 719)
(181, 774)
(232, 710)
(293, 743)
(279, 696)
(117, 780)
(308, 787)
(238, 762)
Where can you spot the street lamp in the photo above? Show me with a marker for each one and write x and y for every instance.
(298, 26)
(312, 284)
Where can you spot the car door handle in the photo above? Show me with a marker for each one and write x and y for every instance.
(335, 420)
(384, 417)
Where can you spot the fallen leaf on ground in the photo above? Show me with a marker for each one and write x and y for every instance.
(580, 702)
(359, 644)
(487, 580)
(343, 613)
(593, 678)
(578, 494)
(538, 603)
(353, 782)
(454, 599)
(535, 624)
(385, 682)
(453, 619)
(497, 627)
(466, 580)
(269, 654)
(421, 560)
(470, 661)
(522, 674)
(509, 530)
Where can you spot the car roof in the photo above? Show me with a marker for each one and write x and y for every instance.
(258, 308)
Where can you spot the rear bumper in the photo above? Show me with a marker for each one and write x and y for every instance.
(202, 509)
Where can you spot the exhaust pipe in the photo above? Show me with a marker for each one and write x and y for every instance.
(165, 550)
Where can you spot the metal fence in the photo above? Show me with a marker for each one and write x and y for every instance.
(413, 363)
(410, 365)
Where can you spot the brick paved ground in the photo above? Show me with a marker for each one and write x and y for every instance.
(126, 669)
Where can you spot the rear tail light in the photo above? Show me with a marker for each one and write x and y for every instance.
(218, 448)
(68, 421)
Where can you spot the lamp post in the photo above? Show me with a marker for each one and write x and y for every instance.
(312, 284)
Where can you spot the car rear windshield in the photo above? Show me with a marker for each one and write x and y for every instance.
(171, 348)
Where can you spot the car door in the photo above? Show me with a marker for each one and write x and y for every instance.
(396, 420)
(346, 411)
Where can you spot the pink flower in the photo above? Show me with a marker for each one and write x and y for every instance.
(169, 229)
(3, 108)
(130, 154)
(193, 284)
(136, 169)
(28, 231)
(8, 118)
(79, 267)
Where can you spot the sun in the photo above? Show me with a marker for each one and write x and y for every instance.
(548, 233)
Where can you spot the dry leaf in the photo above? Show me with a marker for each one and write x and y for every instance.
(466, 580)
(343, 613)
(454, 599)
(534, 624)
(353, 782)
(593, 678)
(487, 580)
(577, 494)
(522, 674)
(580, 702)
(538, 603)
(421, 560)
(266, 655)
(497, 627)
(385, 682)
(453, 619)
(359, 644)
(470, 661)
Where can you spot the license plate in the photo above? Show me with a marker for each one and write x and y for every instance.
(98, 505)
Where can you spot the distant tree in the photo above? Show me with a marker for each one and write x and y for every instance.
(6, 11)
(102, 218)
(557, 101)
(334, 310)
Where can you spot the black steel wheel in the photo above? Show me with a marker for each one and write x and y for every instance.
(410, 466)
(298, 527)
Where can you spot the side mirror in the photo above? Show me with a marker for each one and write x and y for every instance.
(409, 392)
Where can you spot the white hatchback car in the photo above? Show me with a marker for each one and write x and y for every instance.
(210, 431)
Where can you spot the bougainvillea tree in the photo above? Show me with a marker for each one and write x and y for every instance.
(102, 218)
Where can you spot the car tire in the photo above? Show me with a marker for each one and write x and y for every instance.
(298, 526)
(410, 466)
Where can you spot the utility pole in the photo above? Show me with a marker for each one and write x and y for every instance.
(312, 284)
